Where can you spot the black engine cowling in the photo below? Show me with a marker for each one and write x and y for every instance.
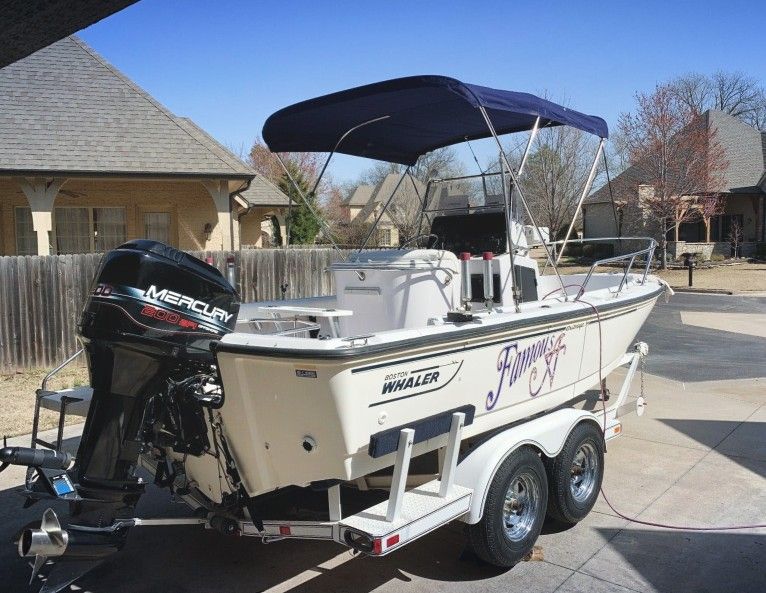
(147, 327)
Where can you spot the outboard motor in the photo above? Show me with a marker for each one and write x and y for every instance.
(147, 327)
(147, 330)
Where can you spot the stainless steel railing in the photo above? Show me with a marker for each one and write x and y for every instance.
(630, 258)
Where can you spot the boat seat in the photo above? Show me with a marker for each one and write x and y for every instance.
(395, 289)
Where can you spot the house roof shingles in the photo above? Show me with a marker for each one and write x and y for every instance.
(264, 193)
(744, 149)
(65, 110)
(361, 195)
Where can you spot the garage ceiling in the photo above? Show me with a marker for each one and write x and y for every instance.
(29, 25)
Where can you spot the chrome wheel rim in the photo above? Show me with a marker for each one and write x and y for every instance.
(522, 506)
(583, 473)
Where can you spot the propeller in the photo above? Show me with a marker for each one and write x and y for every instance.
(49, 540)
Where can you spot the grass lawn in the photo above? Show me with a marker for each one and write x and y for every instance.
(740, 277)
(17, 398)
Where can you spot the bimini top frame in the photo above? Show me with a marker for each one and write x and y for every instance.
(400, 120)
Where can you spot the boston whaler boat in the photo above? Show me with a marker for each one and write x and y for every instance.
(453, 348)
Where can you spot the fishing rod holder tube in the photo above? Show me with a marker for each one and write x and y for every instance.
(489, 288)
(466, 295)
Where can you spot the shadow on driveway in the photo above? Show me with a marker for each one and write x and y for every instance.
(740, 445)
(672, 561)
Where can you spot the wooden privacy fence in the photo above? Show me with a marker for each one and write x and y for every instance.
(41, 297)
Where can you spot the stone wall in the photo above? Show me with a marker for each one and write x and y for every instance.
(704, 251)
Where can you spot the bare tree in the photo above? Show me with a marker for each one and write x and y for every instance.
(676, 157)
(443, 162)
(265, 162)
(735, 236)
(735, 93)
(555, 174)
(710, 206)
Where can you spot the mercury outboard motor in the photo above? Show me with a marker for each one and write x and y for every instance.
(147, 328)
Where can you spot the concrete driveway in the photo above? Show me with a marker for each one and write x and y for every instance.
(696, 458)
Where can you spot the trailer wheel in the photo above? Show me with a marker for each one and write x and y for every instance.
(575, 474)
(514, 510)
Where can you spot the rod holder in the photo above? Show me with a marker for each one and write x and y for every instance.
(489, 285)
(465, 280)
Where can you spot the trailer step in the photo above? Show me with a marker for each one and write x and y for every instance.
(422, 511)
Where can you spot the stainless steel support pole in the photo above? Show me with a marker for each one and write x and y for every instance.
(523, 199)
(338, 143)
(509, 236)
(586, 189)
(529, 145)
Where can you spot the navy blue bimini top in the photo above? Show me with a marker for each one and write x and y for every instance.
(415, 115)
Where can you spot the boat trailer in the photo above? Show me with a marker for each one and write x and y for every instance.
(459, 492)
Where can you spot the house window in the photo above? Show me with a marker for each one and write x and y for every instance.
(72, 230)
(26, 238)
(157, 226)
(108, 227)
(87, 230)
(385, 238)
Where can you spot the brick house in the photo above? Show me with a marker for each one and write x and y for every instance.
(744, 197)
(88, 160)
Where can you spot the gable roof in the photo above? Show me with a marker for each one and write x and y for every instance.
(369, 196)
(744, 149)
(65, 110)
(361, 195)
(263, 192)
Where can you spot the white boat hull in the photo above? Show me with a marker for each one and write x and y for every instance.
(293, 419)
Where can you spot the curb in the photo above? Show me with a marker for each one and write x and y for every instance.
(692, 290)
(72, 430)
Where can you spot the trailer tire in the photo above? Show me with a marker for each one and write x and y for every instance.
(575, 474)
(514, 510)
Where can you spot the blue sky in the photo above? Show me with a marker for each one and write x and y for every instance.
(228, 64)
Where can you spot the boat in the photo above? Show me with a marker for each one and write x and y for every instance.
(456, 332)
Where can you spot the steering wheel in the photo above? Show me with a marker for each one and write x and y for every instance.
(422, 236)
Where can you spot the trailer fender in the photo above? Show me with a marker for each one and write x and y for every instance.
(480, 464)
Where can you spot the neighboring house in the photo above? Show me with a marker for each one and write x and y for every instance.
(744, 195)
(88, 160)
(266, 204)
(367, 201)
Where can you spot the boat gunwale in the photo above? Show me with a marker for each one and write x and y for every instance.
(361, 351)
